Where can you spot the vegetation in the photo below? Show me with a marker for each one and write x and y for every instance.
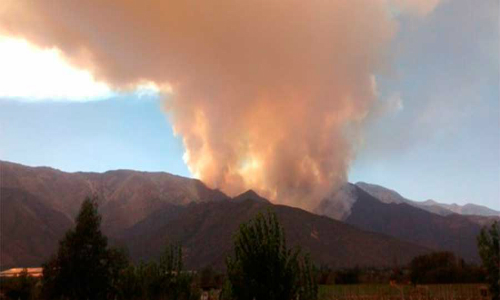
(489, 250)
(210, 279)
(347, 276)
(353, 276)
(263, 268)
(163, 280)
(443, 267)
(22, 287)
(387, 291)
(84, 267)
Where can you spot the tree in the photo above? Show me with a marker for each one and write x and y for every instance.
(208, 278)
(175, 281)
(84, 267)
(443, 267)
(263, 268)
(488, 246)
(22, 287)
(347, 276)
(436, 267)
(163, 280)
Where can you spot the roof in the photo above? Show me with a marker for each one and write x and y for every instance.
(14, 272)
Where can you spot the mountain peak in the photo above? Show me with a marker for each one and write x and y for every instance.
(250, 195)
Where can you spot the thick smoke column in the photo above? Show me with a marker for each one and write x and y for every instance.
(267, 95)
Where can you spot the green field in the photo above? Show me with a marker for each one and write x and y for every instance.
(385, 291)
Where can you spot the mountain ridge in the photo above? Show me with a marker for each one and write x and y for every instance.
(206, 235)
(390, 196)
(132, 202)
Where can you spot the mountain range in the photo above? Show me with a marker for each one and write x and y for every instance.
(142, 211)
(389, 196)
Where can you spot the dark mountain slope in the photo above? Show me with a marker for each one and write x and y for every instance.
(206, 230)
(29, 230)
(453, 232)
(144, 209)
(250, 195)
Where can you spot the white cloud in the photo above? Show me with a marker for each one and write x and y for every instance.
(31, 73)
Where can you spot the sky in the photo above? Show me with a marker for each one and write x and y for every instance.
(433, 132)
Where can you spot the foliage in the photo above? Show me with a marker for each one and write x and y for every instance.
(488, 246)
(22, 287)
(84, 267)
(263, 268)
(210, 279)
(442, 267)
(387, 291)
(357, 275)
(347, 276)
(226, 291)
(163, 280)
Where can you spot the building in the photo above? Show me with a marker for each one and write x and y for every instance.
(15, 272)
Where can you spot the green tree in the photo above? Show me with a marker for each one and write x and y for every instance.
(263, 268)
(207, 278)
(165, 279)
(175, 281)
(488, 246)
(436, 267)
(443, 267)
(84, 267)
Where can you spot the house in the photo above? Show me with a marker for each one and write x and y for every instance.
(15, 272)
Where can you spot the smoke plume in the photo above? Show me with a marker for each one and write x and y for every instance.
(268, 95)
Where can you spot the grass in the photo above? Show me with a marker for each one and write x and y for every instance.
(385, 291)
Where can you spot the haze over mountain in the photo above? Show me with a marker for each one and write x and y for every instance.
(143, 210)
(385, 211)
(454, 232)
(390, 196)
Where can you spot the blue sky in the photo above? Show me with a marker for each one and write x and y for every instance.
(444, 144)
(441, 142)
(127, 132)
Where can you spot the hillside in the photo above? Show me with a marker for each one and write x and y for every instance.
(29, 229)
(206, 229)
(125, 197)
(142, 210)
(453, 232)
(390, 196)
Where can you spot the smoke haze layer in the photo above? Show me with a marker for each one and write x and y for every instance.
(268, 95)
